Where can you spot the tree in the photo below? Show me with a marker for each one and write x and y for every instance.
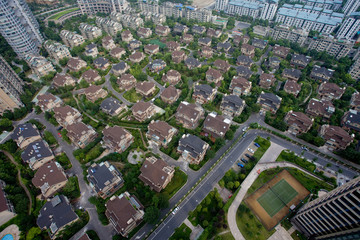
(205, 223)
(230, 185)
(32, 233)
(151, 214)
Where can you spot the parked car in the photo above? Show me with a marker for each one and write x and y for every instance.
(305, 148)
(59, 128)
(244, 160)
(250, 150)
(249, 156)
(257, 145)
(240, 165)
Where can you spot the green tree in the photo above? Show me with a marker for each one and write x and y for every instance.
(151, 214)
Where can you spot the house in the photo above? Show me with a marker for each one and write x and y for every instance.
(213, 75)
(160, 132)
(55, 215)
(267, 80)
(330, 91)
(187, 38)
(151, 49)
(222, 65)
(39, 65)
(94, 93)
(198, 29)
(84, 237)
(104, 179)
(170, 95)
(245, 61)
(203, 93)
(226, 46)
(91, 76)
(192, 148)
(320, 108)
(112, 106)
(281, 51)
(126, 81)
(117, 52)
(47, 102)
(162, 30)
(351, 120)
(321, 74)
(269, 102)
(134, 45)
(91, 50)
(81, 134)
(24, 134)
(355, 101)
(241, 39)
(336, 138)
(124, 212)
(292, 87)
(156, 173)
(273, 63)
(298, 122)
(117, 139)
(172, 76)
(63, 80)
(206, 52)
(240, 86)
(120, 68)
(244, 72)
(157, 65)
(300, 61)
(205, 41)
(7, 210)
(291, 74)
(143, 110)
(75, 64)
(144, 32)
(192, 63)
(173, 46)
(101, 63)
(108, 43)
(50, 178)
(67, 115)
(232, 105)
(248, 50)
(259, 43)
(146, 89)
(189, 114)
(212, 33)
(178, 56)
(137, 57)
(180, 29)
(36, 154)
(126, 36)
(215, 125)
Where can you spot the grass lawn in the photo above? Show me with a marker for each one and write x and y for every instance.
(298, 236)
(153, 95)
(176, 183)
(132, 96)
(264, 145)
(182, 232)
(227, 236)
(60, 14)
(291, 157)
(249, 225)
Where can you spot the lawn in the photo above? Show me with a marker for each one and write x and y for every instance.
(60, 14)
(182, 232)
(291, 157)
(176, 183)
(64, 161)
(227, 236)
(49, 138)
(264, 145)
(132, 96)
(298, 236)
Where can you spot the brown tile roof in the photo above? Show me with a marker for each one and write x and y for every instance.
(170, 92)
(136, 55)
(331, 89)
(60, 79)
(190, 110)
(267, 80)
(152, 173)
(221, 64)
(173, 73)
(116, 51)
(214, 73)
(92, 89)
(172, 45)
(106, 40)
(141, 106)
(116, 133)
(43, 99)
(160, 128)
(300, 119)
(145, 86)
(90, 74)
(151, 47)
(77, 129)
(50, 173)
(65, 111)
(292, 87)
(177, 53)
(337, 134)
(321, 107)
(74, 62)
(218, 123)
(240, 82)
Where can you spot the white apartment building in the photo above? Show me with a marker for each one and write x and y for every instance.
(71, 39)
(56, 50)
(127, 20)
(351, 6)
(156, 18)
(89, 31)
(326, 4)
(40, 65)
(91, 7)
(355, 70)
(331, 45)
(108, 25)
(296, 35)
(350, 27)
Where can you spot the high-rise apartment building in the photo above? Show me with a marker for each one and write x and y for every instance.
(350, 27)
(19, 27)
(334, 215)
(334, 47)
(351, 6)
(10, 87)
(355, 70)
(296, 35)
(91, 7)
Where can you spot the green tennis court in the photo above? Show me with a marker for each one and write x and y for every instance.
(284, 191)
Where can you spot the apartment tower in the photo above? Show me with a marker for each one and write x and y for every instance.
(351, 6)
(350, 27)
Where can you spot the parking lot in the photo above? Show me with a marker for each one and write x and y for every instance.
(245, 157)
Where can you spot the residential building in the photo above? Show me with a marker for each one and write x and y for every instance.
(292, 87)
(10, 88)
(162, 30)
(280, 51)
(108, 43)
(204, 93)
(291, 74)
(259, 43)
(269, 102)
(55, 215)
(198, 29)
(232, 105)
(112, 106)
(222, 65)
(134, 45)
(321, 74)
(244, 72)
(67, 115)
(91, 7)
(180, 29)
(226, 46)
(187, 38)
(350, 27)
(170, 95)
(91, 50)
(298, 122)
(355, 70)
(120, 68)
(126, 36)
(172, 76)
(330, 91)
(101, 63)
(189, 114)
(156, 173)
(24, 134)
(157, 65)
(213, 33)
(267, 80)
(76, 64)
(144, 32)
(143, 110)
(89, 31)
(256, 9)
(329, 4)
(261, 31)
(295, 35)
(214, 76)
(320, 108)
(91, 76)
(240, 86)
(7, 210)
(334, 47)
(146, 89)
(192, 148)
(173, 46)
(47, 102)
(206, 52)
(104, 179)
(126, 81)
(333, 215)
(205, 41)
(81, 134)
(300, 61)
(178, 56)
(137, 57)
(124, 212)
(350, 7)
(117, 139)
(151, 49)
(335, 137)
(245, 61)
(156, 18)
(160, 132)
(36, 154)
(273, 63)
(192, 63)
(127, 20)
(71, 39)
(248, 50)
(39, 65)
(50, 178)
(355, 101)
(63, 80)
(20, 28)
(351, 120)
(109, 26)
(216, 126)
(56, 50)
(117, 52)
(94, 93)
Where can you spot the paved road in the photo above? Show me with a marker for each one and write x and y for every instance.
(108, 85)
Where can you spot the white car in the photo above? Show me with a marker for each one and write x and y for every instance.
(175, 210)
(250, 150)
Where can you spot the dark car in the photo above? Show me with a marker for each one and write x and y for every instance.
(250, 157)
(244, 160)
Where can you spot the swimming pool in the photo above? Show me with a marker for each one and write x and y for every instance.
(7, 237)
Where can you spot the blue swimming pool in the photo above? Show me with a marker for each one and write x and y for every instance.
(7, 237)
